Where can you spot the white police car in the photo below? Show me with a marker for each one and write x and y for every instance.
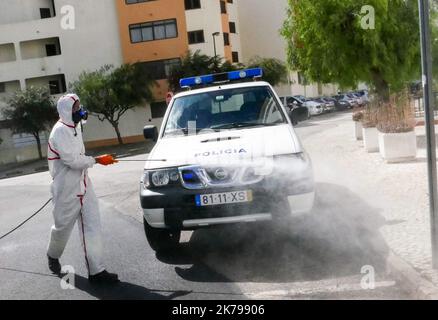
(230, 155)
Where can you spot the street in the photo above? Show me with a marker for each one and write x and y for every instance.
(322, 256)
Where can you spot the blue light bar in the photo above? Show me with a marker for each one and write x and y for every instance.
(221, 77)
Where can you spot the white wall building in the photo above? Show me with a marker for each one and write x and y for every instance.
(35, 49)
(209, 19)
(260, 22)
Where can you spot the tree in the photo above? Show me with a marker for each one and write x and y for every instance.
(109, 93)
(31, 111)
(274, 70)
(328, 42)
(195, 64)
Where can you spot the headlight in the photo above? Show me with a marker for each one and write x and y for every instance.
(160, 178)
(294, 166)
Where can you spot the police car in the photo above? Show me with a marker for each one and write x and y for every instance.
(226, 153)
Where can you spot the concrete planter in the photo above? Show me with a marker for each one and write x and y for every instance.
(358, 130)
(371, 139)
(398, 147)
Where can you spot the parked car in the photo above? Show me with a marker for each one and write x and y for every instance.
(357, 102)
(331, 102)
(220, 172)
(328, 105)
(296, 110)
(360, 102)
(292, 102)
(363, 94)
(315, 108)
(343, 102)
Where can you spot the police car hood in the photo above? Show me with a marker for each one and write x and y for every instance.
(233, 147)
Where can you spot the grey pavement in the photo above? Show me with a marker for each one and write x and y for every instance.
(320, 257)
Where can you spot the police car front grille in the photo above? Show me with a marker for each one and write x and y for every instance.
(197, 177)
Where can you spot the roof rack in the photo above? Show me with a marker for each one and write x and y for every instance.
(218, 78)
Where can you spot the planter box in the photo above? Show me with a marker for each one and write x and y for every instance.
(371, 139)
(358, 130)
(398, 147)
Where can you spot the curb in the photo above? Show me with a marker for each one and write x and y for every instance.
(411, 280)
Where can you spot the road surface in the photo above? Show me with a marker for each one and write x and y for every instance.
(322, 257)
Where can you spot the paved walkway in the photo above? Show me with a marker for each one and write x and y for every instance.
(399, 192)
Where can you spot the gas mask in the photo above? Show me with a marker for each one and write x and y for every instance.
(80, 115)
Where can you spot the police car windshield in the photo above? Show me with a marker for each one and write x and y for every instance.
(224, 109)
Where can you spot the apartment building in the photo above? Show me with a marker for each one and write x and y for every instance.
(49, 43)
(158, 33)
(37, 48)
(260, 23)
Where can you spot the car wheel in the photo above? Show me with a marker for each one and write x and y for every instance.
(161, 239)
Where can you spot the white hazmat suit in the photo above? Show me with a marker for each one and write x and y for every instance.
(74, 199)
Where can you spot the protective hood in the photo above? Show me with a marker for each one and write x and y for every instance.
(65, 106)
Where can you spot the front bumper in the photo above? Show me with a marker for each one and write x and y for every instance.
(174, 207)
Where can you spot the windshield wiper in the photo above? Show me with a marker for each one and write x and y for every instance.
(236, 125)
(184, 131)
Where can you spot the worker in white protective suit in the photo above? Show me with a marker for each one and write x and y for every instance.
(74, 199)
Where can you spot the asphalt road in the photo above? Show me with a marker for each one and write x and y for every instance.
(320, 257)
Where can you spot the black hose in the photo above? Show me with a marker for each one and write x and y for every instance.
(5, 235)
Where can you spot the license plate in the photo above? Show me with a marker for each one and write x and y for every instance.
(214, 199)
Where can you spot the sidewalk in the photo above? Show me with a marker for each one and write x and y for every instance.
(29, 167)
(398, 191)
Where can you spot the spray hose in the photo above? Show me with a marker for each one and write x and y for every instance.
(39, 210)
(5, 235)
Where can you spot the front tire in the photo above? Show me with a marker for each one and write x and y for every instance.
(161, 239)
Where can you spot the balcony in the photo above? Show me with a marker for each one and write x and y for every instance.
(40, 48)
(7, 52)
(32, 68)
(29, 30)
(16, 12)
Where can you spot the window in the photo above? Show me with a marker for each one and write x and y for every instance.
(51, 50)
(235, 55)
(192, 4)
(196, 37)
(2, 87)
(136, 1)
(158, 109)
(45, 13)
(160, 69)
(302, 79)
(223, 7)
(226, 39)
(233, 27)
(58, 86)
(222, 109)
(158, 30)
(55, 87)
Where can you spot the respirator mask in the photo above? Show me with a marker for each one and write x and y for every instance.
(80, 115)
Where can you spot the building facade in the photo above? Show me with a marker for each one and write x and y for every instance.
(158, 33)
(260, 24)
(51, 42)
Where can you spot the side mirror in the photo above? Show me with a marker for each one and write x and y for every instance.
(150, 132)
(299, 114)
